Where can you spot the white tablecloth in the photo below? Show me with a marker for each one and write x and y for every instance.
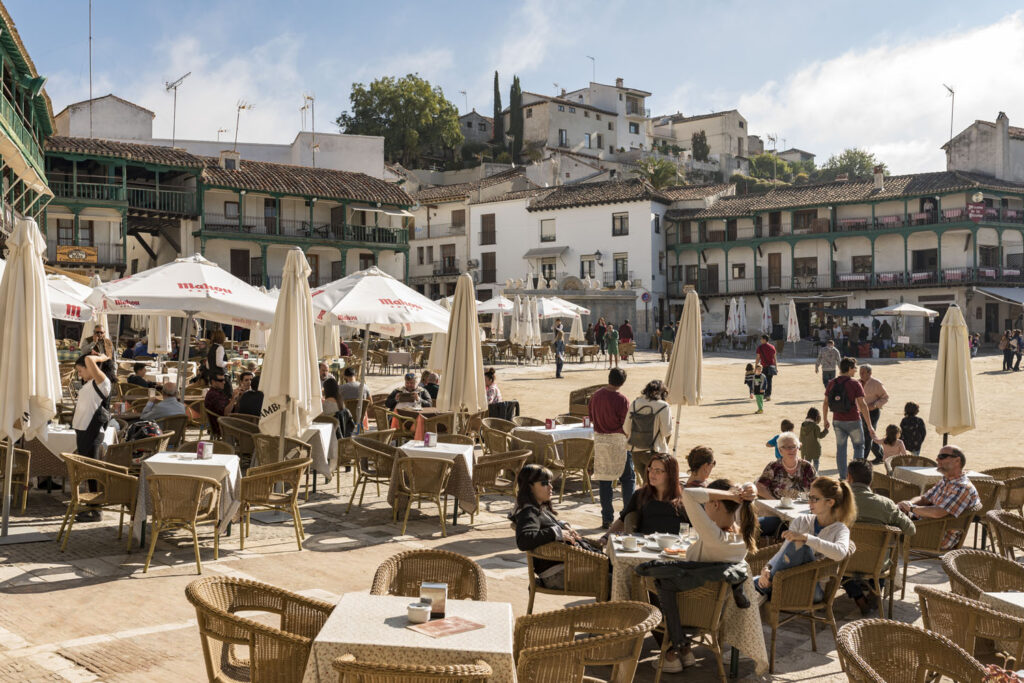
(1011, 603)
(373, 628)
(221, 467)
(925, 477)
(460, 485)
(561, 432)
(320, 436)
(161, 377)
(771, 507)
(61, 439)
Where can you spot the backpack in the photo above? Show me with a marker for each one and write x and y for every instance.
(643, 427)
(141, 430)
(838, 398)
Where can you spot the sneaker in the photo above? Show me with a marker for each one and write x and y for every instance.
(669, 666)
(687, 657)
(606, 525)
(758, 412)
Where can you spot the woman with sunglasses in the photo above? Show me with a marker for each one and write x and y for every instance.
(657, 508)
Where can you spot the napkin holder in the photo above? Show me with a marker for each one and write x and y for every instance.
(437, 595)
(549, 423)
(429, 439)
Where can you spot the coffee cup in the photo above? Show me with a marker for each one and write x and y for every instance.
(667, 541)
(786, 502)
(418, 612)
(629, 543)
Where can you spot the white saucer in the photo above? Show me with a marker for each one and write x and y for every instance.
(623, 549)
(668, 556)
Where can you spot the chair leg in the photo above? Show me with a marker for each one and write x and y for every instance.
(775, 631)
(353, 496)
(533, 594)
(590, 487)
(241, 526)
(903, 588)
(152, 545)
(71, 521)
(120, 523)
(405, 519)
(64, 522)
(442, 513)
(195, 547)
(814, 637)
(561, 491)
(216, 540)
(24, 497)
(297, 519)
(661, 656)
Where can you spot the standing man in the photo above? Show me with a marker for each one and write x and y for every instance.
(885, 334)
(608, 410)
(875, 397)
(953, 496)
(668, 334)
(828, 362)
(766, 358)
(844, 396)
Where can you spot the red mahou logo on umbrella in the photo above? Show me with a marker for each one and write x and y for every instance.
(398, 303)
(202, 286)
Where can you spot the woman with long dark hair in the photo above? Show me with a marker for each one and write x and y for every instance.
(657, 507)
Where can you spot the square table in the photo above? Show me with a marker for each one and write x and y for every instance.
(373, 628)
(926, 477)
(1009, 602)
(51, 442)
(399, 358)
(320, 435)
(542, 436)
(772, 507)
(460, 485)
(221, 467)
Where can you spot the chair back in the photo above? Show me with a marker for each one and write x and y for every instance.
(182, 499)
(133, 391)
(893, 488)
(523, 421)
(582, 575)
(380, 415)
(973, 572)
(1004, 473)
(488, 468)
(381, 436)
(352, 406)
(425, 474)
(219, 447)
(114, 487)
(494, 440)
(876, 547)
(794, 589)
(577, 453)
(379, 455)
(460, 439)
(259, 482)
(990, 493)
(1013, 497)
(245, 417)
(498, 424)
(403, 573)
(238, 433)
(442, 423)
(351, 669)
(908, 461)
(1008, 529)
(883, 651)
(569, 420)
(267, 449)
(964, 621)
(174, 424)
(130, 453)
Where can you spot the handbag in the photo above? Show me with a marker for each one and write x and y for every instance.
(771, 370)
(103, 411)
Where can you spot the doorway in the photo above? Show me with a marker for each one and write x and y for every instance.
(775, 270)
(991, 322)
(934, 325)
(240, 263)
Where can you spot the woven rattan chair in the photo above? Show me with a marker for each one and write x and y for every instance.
(700, 613)
(1004, 473)
(895, 489)
(381, 436)
(403, 573)
(577, 457)
(964, 621)
(883, 651)
(907, 461)
(116, 491)
(926, 543)
(374, 463)
(470, 424)
(1013, 498)
(137, 405)
(990, 493)
(442, 423)
(423, 479)
(579, 399)
(1008, 529)
(239, 434)
(197, 416)
(270, 654)
(523, 421)
(876, 556)
(220, 447)
(19, 471)
(586, 572)
(176, 425)
(499, 424)
(548, 647)
(973, 572)
(460, 439)
(273, 487)
(267, 449)
(130, 454)
(181, 502)
(405, 427)
(494, 440)
(352, 406)
(569, 420)
(346, 458)
(496, 473)
(351, 669)
(245, 417)
(542, 445)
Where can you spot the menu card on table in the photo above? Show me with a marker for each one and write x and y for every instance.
(449, 626)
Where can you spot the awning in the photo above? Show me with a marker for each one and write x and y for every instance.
(545, 252)
(1011, 295)
(387, 211)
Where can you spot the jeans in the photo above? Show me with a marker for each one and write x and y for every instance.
(792, 556)
(559, 361)
(1007, 359)
(768, 376)
(628, 481)
(769, 525)
(848, 429)
(873, 415)
(827, 376)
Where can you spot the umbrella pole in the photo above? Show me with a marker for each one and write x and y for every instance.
(675, 439)
(284, 422)
(186, 337)
(8, 473)
(362, 381)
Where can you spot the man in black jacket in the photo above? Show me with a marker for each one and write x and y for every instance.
(138, 377)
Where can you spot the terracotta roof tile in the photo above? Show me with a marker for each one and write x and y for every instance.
(518, 194)
(145, 154)
(563, 101)
(680, 193)
(679, 118)
(607, 192)
(441, 193)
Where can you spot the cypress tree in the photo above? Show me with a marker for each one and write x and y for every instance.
(499, 121)
(515, 127)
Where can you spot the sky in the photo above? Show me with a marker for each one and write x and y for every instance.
(822, 76)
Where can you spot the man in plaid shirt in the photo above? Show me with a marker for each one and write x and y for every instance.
(955, 495)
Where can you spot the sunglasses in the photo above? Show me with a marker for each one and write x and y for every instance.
(943, 456)
(788, 447)
(545, 483)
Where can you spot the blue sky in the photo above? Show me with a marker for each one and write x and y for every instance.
(822, 76)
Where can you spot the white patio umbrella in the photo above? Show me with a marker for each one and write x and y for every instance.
(64, 304)
(552, 307)
(576, 333)
(462, 382)
(328, 341)
(741, 316)
(496, 304)
(290, 380)
(576, 308)
(683, 377)
(29, 374)
(952, 410)
(159, 335)
(514, 331)
(766, 318)
(902, 311)
(97, 318)
(438, 343)
(376, 302)
(731, 327)
(792, 323)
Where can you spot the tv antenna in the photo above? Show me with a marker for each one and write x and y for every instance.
(310, 100)
(241, 106)
(952, 102)
(465, 99)
(221, 130)
(174, 115)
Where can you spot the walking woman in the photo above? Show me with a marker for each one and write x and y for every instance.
(611, 345)
(1004, 346)
(559, 348)
(599, 331)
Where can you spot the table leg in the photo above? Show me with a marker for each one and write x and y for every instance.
(455, 513)
(734, 663)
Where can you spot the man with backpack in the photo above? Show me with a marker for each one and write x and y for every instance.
(844, 396)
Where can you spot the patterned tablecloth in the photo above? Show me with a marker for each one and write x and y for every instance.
(741, 628)
(460, 485)
(373, 628)
(221, 467)
(926, 477)
(320, 436)
(55, 440)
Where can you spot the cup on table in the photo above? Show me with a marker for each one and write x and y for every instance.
(418, 612)
(786, 502)
(629, 543)
(152, 392)
(667, 540)
(586, 422)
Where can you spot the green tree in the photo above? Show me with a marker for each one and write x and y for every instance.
(499, 120)
(699, 145)
(414, 117)
(515, 119)
(855, 162)
(658, 172)
(768, 166)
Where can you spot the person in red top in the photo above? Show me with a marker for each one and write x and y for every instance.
(612, 460)
(847, 422)
(766, 357)
(625, 334)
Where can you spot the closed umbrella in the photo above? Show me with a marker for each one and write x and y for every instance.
(159, 335)
(576, 333)
(97, 318)
(731, 327)
(683, 377)
(534, 322)
(258, 338)
(328, 343)
(741, 316)
(462, 382)
(438, 343)
(497, 326)
(514, 331)
(952, 410)
(792, 323)
(29, 374)
(766, 319)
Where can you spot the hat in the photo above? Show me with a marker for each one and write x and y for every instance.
(410, 375)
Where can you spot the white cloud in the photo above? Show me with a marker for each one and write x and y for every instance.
(889, 99)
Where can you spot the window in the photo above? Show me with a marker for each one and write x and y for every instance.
(806, 265)
(572, 110)
(586, 140)
(657, 224)
(484, 294)
(586, 114)
(802, 220)
(741, 124)
(135, 266)
(459, 218)
(488, 271)
(875, 303)
(563, 137)
(85, 233)
(547, 230)
(230, 209)
(430, 255)
(692, 275)
(529, 113)
(230, 164)
(366, 260)
(419, 255)
(65, 231)
(739, 271)
(861, 264)
(561, 107)
(611, 125)
(988, 256)
(622, 267)
(661, 261)
(482, 126)
(600, 141)
(634, 128)
(620, 97)
(620, 224)
(588, 267)
(598, 116)
(469, 124)
(547, 268)
(487, 233)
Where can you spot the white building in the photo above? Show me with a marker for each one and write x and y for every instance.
(995, 149)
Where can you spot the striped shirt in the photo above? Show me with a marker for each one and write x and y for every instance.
(955, 496)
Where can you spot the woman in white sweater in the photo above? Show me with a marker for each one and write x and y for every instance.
(824, 532)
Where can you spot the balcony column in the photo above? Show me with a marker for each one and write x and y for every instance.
(74, 179)
(405, 263)
(906, 216)
(46, 232)
(343, 255)
(792, 257)
(872, 248)
(974, 234)
(999, 250)
(277, 216)
(726, 252)
(241, 208)
(124, 236)
(312, 203)
(906, 249)
(74, 239)
(124, 181)
(872, 215)
(263, 265)
(938, 253)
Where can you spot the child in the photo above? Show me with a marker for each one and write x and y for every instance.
(892, 445)
(757, 384)
(810, 438)
(912, 428)
(748, 379)
(773, 442)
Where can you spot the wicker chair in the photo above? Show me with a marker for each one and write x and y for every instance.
(116, 491)
(494, 440)
(488, 471)
(460, 439)
(893, 488)
(1013, 498)
(586, 572)
(245, 417)
(700, 613)
(497, 423)
(926, 543)
(964, 621)
(548, 648)
(220, 447)
(405, 427)
(579, 399)
(197, 419)
(876, 555)
(1004, 473)
(423, 479)
(19, 474)
(137, 405)
(403, 573)
(267, 449)
(352, 406)
(258, 490)
(346, 458)
(275, 655)
(239, 434)
(523, 421)
(374, 463)
(907, 461)
(181, 502)
(883, 651)
(973, 572)
(540, 444)
(176, 425)
(577, 456)
(568, 420)
(1008, 529)
(351, 669)
(130, 454)
(990, 493)
(442, 423)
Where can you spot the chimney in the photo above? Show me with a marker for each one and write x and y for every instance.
(1003, 147)
(842, 178)
(563, 92)
(879, 179)
(618, 83)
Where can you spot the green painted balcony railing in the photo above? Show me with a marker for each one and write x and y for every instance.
(103, 192)
(165, 201)
(17, 128)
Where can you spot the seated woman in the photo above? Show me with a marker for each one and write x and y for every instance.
(658, 506)
(536, 524)
(789, 476)
(701, 462)
(823, 532)
(490, 387)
